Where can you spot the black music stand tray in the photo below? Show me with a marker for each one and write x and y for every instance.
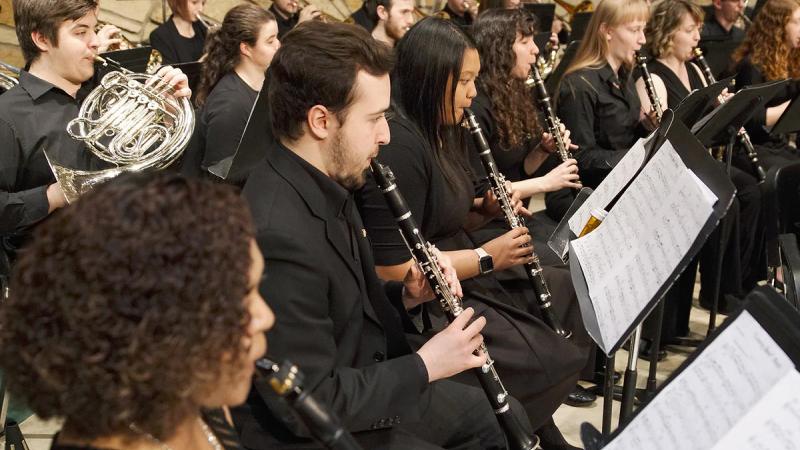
(580, 22)
(134, 59)
(544, 13)
(700, 102)
(552, 81)
(193, 71)
(789, 122)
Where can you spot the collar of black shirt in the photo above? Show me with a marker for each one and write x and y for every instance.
(37, 87)
(336, 197)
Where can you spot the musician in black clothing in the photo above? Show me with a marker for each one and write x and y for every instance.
(721, 25)
(339, 322)
(765, 56)
(288, 14)
(58, 42)
(125, 328)
(238, 55)
(597, 99)
(428, 155)
(395, 17)
(181, 38)
(461, 12)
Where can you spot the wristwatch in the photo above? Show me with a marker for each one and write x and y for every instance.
(485, 262)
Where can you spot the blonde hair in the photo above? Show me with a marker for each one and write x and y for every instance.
(593, 49)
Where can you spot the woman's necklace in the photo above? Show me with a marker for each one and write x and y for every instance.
(210, 437)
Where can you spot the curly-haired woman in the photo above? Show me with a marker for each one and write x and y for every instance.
(766, 56)
(237, 57)
(136, 318)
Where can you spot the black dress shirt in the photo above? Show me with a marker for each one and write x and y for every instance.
(602, 111)
(712, 30)
(220, 125)
(174, 47)
(284, 24)
(33, 118)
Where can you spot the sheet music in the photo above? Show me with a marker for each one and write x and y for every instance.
(611, 185)
(710, 397)
(774, 424)
(644, 237)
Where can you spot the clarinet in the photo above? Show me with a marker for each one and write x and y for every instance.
(743, 136)
(641, 61)
(553, 124)
(498, 184)
(287, 381)
(423, 253)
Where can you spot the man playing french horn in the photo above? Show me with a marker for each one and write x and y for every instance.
(59, 43)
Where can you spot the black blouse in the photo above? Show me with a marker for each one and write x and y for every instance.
(220, 125)
(177, 49)
(748, 74)
(602, 111)
(676, 90)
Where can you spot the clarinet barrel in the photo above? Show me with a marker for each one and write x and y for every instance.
(498, 185)
(423, 253)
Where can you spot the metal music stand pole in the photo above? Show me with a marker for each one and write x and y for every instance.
(608, 394)
(631, 372)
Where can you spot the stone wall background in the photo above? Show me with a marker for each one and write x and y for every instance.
(137, 18)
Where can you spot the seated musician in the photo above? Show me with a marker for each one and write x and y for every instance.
(288, 14)
(721, 25)
(509, 120)
(597, 99)
(365, 15)
(433, 81)
(339, 322)
(765, 56)
(181, 38)
(238, 55)
(672, 34)
(125, 329)
(461, 12)
(59, 44)
(395, 17)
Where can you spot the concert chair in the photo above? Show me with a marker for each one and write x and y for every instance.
(781, 192)
(790, 268)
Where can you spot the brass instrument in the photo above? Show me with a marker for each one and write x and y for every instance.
(583, 6)
(325, 17)
(153, 63)
(8, 76)
(208, 22)
(546, 62)
(130, 121)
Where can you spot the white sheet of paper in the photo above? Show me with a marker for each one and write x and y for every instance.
(711, 396)
(611, 185)
(774, 424)
(644, 237)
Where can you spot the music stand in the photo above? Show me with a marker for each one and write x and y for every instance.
(789, 122)
(544, 13)
(555, 77)
(541, 40)
(700, 101)
(134, 59)
(718, 53)
(580, 22)
(193, 71)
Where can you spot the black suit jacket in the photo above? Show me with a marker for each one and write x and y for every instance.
(324, 300)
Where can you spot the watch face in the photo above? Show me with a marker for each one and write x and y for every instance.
(487, 264)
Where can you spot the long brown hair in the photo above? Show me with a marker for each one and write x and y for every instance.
(593, 49)
(241, 24)
(766, 40)
(495, 32)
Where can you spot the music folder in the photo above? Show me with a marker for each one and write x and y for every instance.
(739, 390)
(789, 122)
(544, 13)
(134, 59)
(579, 24)
(718, 125)
(700, 101)
(664, 198)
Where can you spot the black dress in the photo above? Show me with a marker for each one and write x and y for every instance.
(285, 24)
(220, 125)
(215, 419)
(175, 48)
(538, 367)
(602, 111)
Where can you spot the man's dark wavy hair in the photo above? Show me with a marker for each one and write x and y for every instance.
(127, 307)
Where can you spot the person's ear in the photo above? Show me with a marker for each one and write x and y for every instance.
(319, 121)
(41, 41)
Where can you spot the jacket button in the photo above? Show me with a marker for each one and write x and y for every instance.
(379, 356)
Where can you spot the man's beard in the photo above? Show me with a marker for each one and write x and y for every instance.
(340, 162)
(393, 31)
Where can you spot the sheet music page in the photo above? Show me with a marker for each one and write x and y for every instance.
(774, 424)
(620, 175)
(708, 398)
(644, 237)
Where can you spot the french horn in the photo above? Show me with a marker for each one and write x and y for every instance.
(130, 121)
(8, 76)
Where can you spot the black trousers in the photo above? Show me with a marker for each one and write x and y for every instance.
(453, 416)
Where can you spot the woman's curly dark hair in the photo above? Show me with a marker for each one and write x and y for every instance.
(495, 32)
(665, 20)
(241, 24)
(127, 307)
(766, 40)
